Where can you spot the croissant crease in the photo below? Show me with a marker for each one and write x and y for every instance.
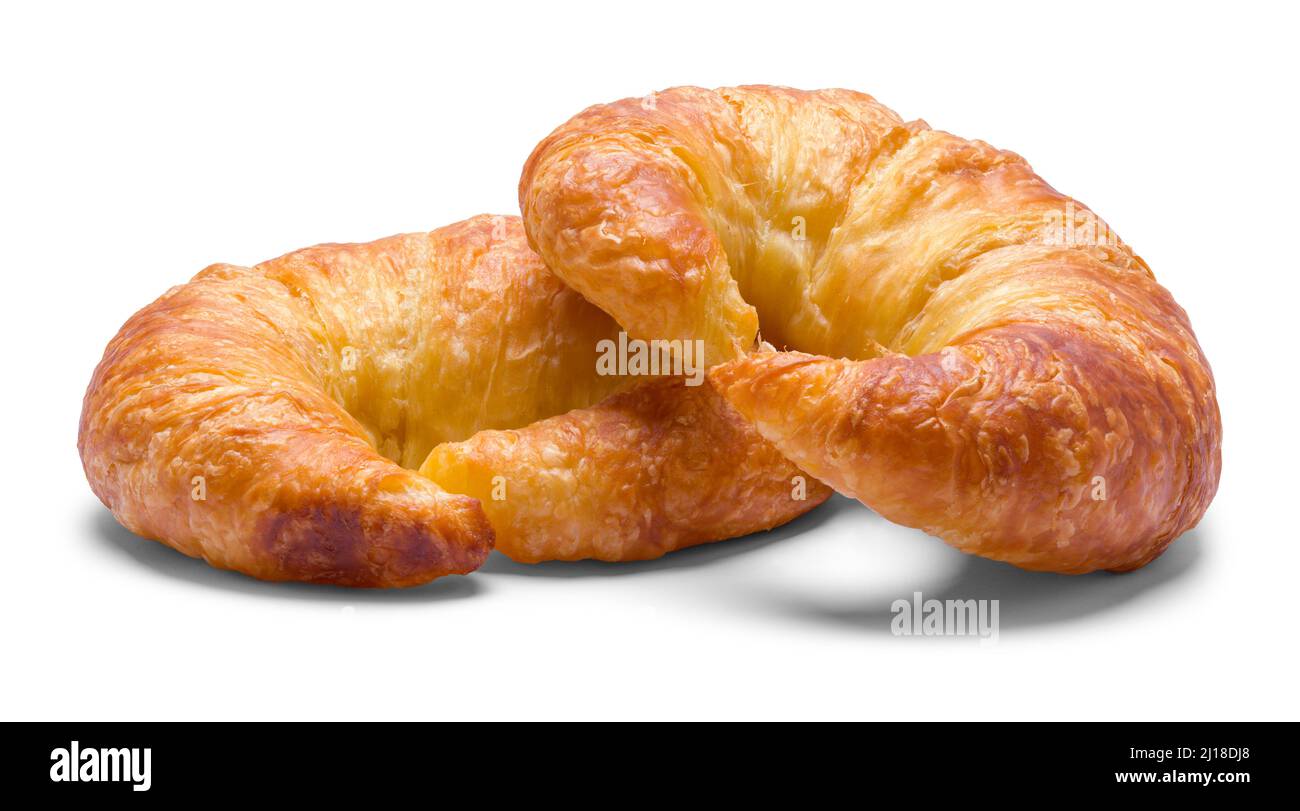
(958, 361)
(271, 419)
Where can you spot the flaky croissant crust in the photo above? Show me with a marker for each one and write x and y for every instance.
(976, 354)
(269, 419)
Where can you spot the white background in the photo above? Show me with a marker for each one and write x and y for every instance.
(143, 142)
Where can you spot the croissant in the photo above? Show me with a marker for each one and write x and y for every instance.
(665, 466)
(271, 419)
(972, 353)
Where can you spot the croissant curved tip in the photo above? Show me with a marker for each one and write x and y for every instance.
(365, 546)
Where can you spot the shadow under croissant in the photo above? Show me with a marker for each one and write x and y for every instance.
(1026, 599)
(689, 558)
(167, 561)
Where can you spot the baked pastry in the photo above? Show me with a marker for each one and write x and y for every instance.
(977, 355)
(269, 419)
(657, 468)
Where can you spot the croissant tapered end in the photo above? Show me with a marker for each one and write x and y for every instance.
(954, 444)
(659, 467)
(388, 539)
(780, 393)
(284, 503)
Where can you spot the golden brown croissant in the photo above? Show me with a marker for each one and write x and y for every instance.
(663, 465)
(268, 419)
(987, 361)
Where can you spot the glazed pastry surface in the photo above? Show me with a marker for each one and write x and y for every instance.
(972, 352)
(268, 419)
